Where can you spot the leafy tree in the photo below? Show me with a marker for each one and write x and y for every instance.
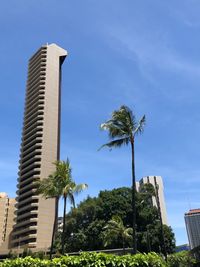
(116, 230)
(122, 129)
(84, 224)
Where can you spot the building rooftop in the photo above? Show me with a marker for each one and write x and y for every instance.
(193, 211)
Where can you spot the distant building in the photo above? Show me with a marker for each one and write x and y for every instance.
(7, 209)
(192, 222)
(155, 181)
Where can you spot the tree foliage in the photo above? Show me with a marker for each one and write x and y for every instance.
(115, 230)
(85, 224)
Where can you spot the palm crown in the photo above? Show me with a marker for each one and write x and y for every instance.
(122, 127)
(116, 229)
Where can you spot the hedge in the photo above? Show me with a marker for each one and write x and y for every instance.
(96, 260)
(181, 259)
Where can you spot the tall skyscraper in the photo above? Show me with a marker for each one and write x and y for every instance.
(40, 147)
(156, 181)
(192, 222)
(7, 209)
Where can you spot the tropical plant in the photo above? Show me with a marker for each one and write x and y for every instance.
(60, 184)
(68, 188)
(122, 129)
(48, 187)
(115, 229)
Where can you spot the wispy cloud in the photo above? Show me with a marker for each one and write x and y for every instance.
(187, 13)
(153, 51)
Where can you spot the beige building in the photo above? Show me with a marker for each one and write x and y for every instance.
(156, 180)
(39, 148)
(7, 209)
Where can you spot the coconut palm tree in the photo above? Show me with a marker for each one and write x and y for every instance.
(116, 229)
(60, 184)
(68, 189)
(49, 189)
(122, 129)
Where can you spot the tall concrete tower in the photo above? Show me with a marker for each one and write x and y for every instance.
(40, 147)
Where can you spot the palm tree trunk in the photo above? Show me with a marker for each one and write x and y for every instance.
(64, 219)
(54, 226)
(133, 197)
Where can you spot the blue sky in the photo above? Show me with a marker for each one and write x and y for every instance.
(144, 54)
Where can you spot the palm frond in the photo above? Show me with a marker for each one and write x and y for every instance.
(79, 188)
(116, 143)
(128, 231)
(127, 111)
(114, 128)
(47, 187)
(126, 115)
(116, 229)
(140, 126)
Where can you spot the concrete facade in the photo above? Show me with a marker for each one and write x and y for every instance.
(40, 147)
(7, 210)
(156, 180)
(192, 222)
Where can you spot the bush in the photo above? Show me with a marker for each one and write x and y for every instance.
(90, 260)
(181, 259)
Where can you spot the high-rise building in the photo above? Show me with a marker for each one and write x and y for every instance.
(192, 222)
(157, 182)
(39, 148)
(7, 209)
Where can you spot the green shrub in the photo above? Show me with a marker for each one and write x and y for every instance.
(181, 259)
(90, 260)
(102, 259)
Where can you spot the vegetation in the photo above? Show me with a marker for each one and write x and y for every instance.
(104, 260)
(181, 259)
(60, 184)
(85, 224)
(122, 129)
(115, 230)
(49, 189)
